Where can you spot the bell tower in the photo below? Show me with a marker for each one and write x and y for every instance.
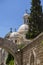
(26, 17)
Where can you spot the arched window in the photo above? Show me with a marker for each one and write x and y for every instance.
(32, 59)
(15, 41)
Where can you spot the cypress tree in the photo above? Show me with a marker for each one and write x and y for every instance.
(35, 19)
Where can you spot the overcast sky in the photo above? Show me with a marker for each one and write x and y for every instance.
(11, 14)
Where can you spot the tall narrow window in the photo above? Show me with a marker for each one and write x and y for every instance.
(32, 59)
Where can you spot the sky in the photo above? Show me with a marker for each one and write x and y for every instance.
(11, 14)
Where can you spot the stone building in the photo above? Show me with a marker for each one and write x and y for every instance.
(32, 53)
(17, 38)
(29, 52)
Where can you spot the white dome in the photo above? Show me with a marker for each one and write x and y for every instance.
(14, 34)
(23, 29)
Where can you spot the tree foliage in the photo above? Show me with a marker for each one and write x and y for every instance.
(9, 59)
(35, 19)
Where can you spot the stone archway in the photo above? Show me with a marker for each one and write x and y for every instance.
(32, 58)
(9, 46)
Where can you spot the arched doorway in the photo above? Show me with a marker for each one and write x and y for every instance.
(9, 46)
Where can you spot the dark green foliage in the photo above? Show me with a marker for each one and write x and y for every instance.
(10, 57)
(42, 23)
(36, 15)
(11, 62)
(31, 35)
(35, 19)
(21, 46)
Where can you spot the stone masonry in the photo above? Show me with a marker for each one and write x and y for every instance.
(31, 54)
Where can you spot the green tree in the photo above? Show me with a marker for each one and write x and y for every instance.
(10, 59)
(35, 19)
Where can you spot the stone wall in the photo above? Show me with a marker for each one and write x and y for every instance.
(32, 54)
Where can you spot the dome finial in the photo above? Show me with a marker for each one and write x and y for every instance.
(15, 29)
(26, 10)
(11, 30)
